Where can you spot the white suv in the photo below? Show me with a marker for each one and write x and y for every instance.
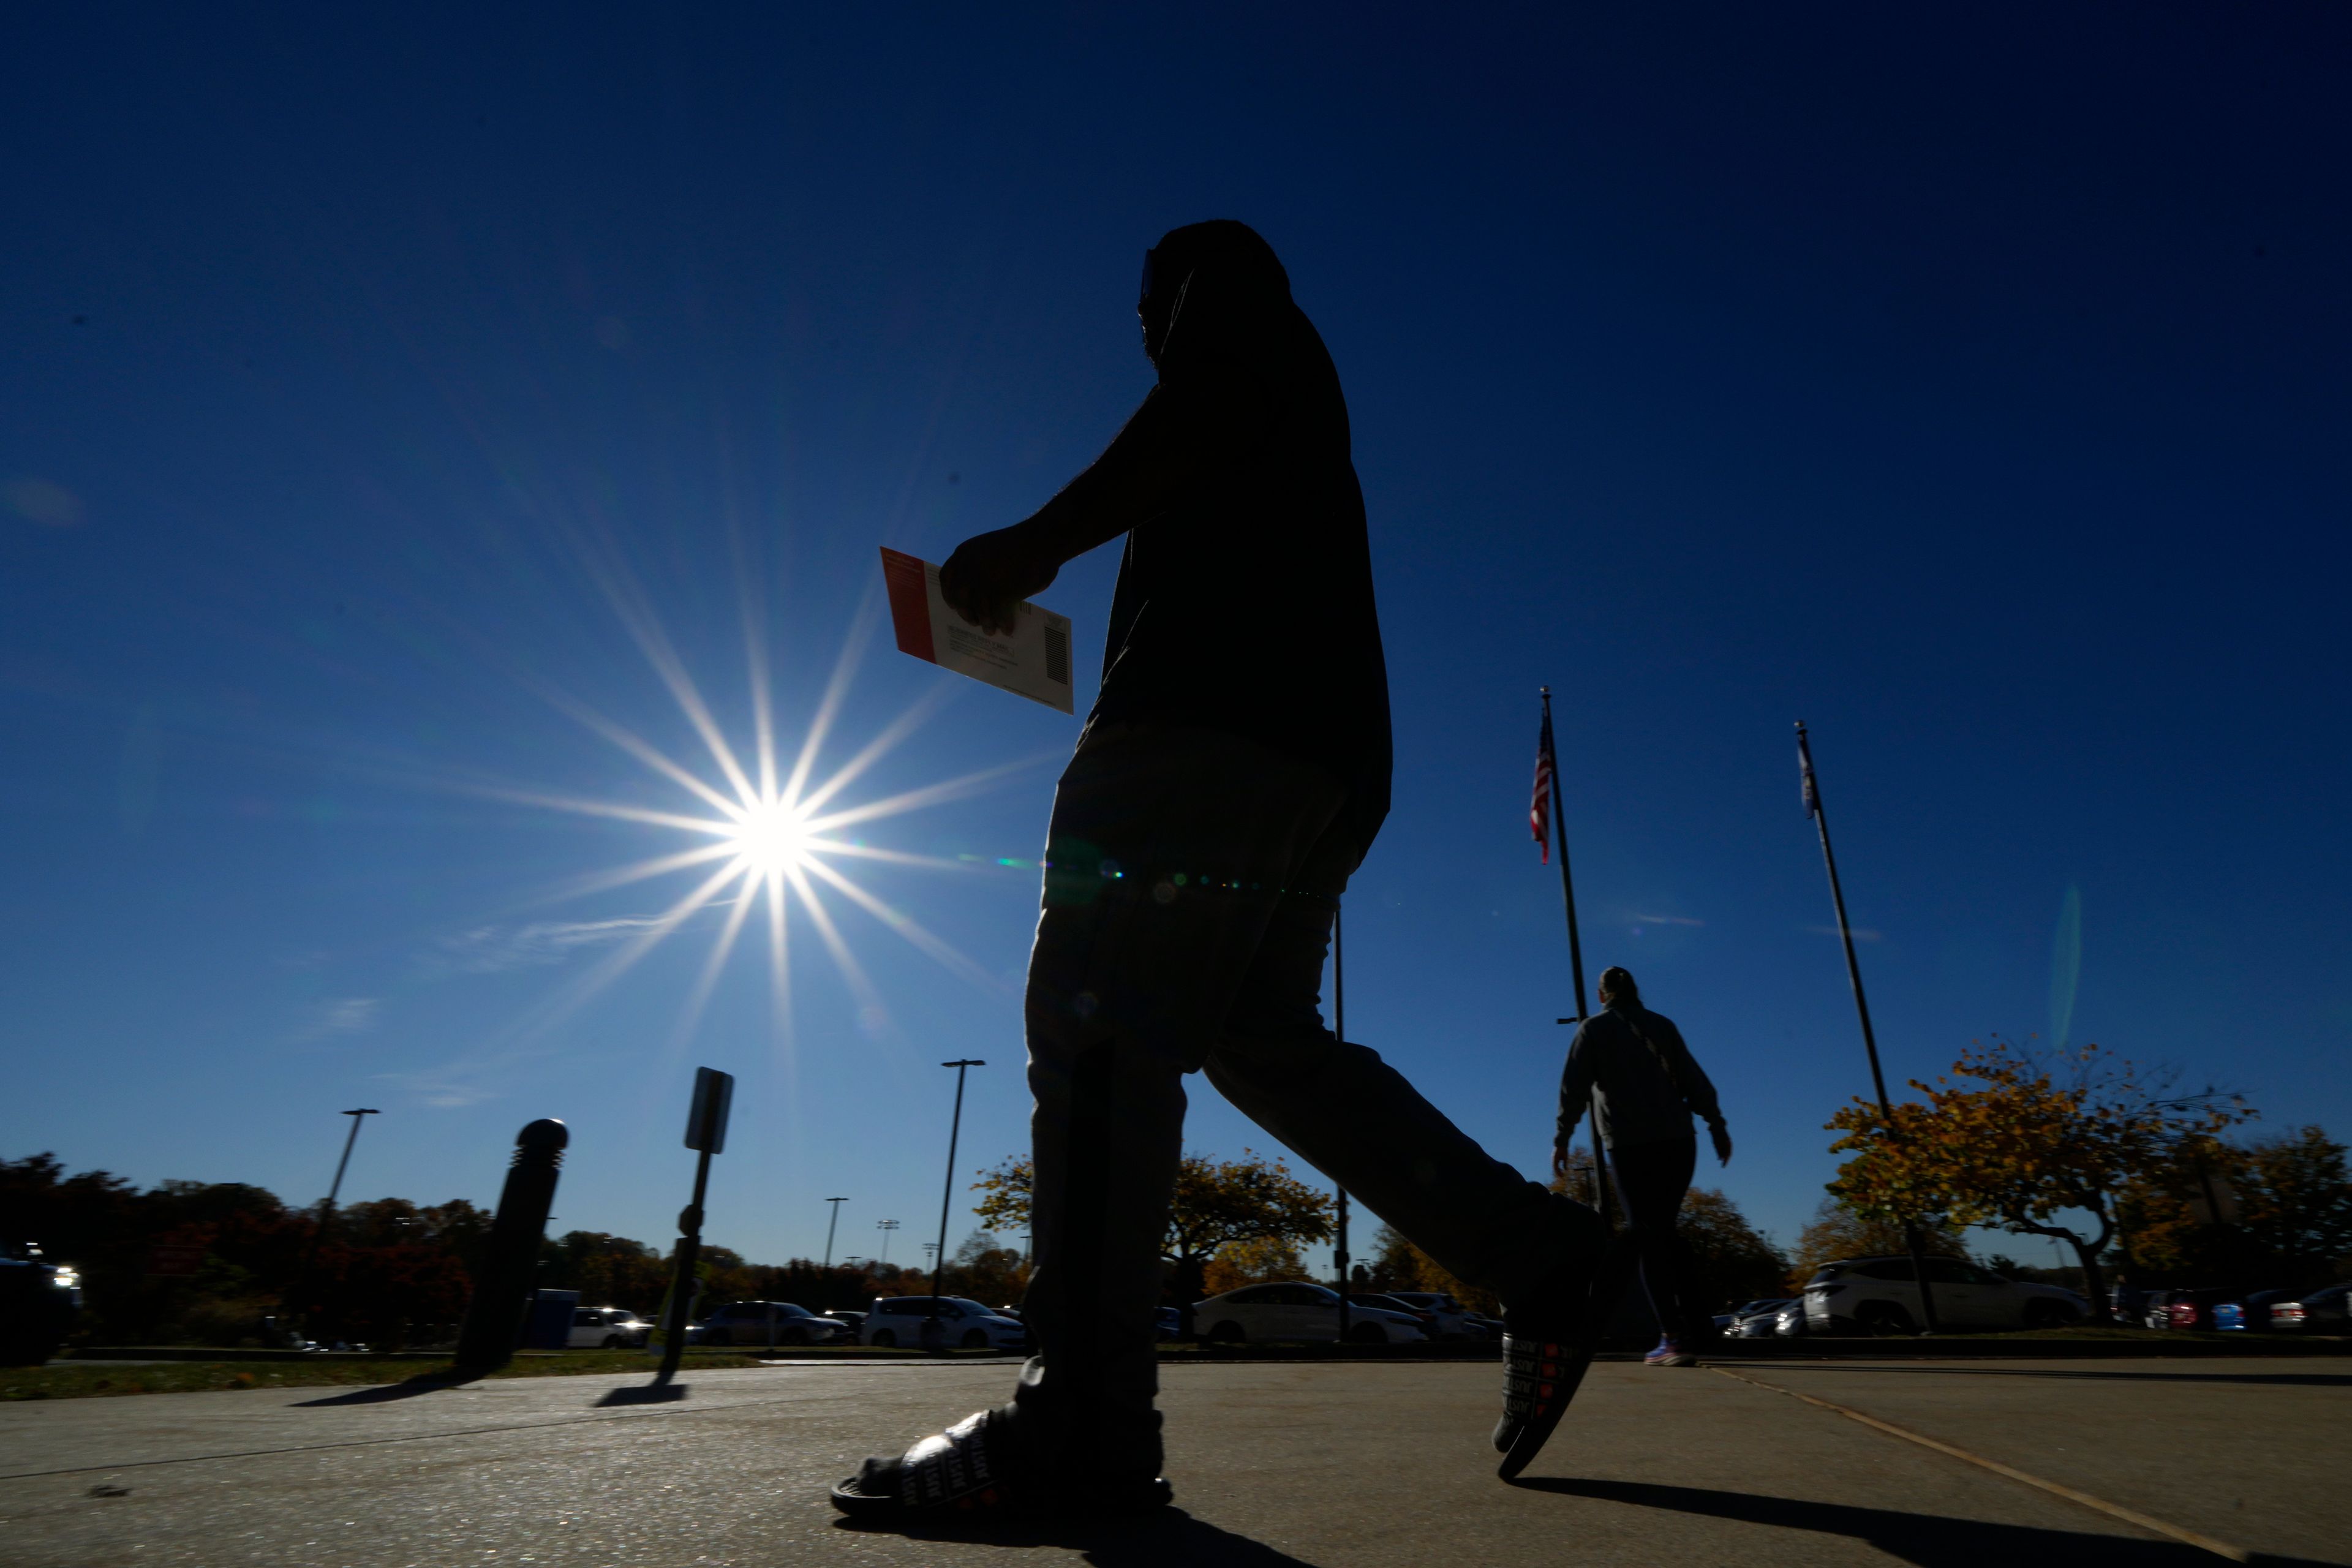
(1880, 1296)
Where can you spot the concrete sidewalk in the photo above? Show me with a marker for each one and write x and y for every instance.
(1329, 1465)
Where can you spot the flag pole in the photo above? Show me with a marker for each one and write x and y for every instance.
(1575, 953)
(1821, 817)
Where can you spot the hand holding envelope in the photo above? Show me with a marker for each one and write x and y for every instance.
(989, 575)
(1018, 647)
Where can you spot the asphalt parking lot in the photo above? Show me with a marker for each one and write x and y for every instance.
(2084, 1463)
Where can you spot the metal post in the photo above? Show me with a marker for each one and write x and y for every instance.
(1340, 1027)
(682, 1288)
(494, 1318)
(1601, 1197)
(706, 1134)
(932, 1332)
(1861, 1008)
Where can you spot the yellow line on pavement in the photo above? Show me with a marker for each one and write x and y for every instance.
(2101, 1505)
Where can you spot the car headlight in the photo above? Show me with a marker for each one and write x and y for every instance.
(68, 1277)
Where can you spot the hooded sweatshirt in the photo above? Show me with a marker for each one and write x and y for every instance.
(1649, 1082)
(1246, 606)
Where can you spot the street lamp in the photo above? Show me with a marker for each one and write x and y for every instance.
(932, 1332)
(829, 1227)
(336, 1189)
(886, 1226)
(302, 1274)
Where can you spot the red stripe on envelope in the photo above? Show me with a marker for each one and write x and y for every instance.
(910, 604)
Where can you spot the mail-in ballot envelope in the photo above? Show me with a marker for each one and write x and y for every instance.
(1034, 662)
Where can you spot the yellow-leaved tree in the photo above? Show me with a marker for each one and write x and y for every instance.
(2015, 1138)
(1252, 1207)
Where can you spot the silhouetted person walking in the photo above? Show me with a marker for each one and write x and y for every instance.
(1650, 1087)
(1229, 779)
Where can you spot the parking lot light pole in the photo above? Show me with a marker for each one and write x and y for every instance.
(292, 1308)
(830, 1225)
(336, 1189)
(932, 1332)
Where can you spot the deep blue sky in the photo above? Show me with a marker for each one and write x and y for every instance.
(1967, 383)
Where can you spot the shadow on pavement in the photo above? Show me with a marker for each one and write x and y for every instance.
(2296, 1379)
(1165, 1538)
(431, 1382)
(1929, 1541)
(646, 1394)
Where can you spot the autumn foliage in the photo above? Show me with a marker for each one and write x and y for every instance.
(2014, 1139)
(1249, 1214)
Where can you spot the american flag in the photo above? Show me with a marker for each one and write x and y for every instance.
(1540, 808)
(1805, 765)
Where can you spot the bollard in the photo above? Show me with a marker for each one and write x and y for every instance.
(494, 1318)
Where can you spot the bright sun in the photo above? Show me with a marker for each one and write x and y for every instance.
(770, 828)
(772, 837)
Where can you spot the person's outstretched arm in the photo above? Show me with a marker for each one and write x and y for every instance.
(1187, 428)
(1698, 1089)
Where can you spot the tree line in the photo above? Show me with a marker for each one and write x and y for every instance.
(2122, 1164)
(206, 1263)
(203, 1263)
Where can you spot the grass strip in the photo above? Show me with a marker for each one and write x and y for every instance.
(99, 1380)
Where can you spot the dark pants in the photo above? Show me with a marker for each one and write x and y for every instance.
(1651, 1179)
(1190, 885)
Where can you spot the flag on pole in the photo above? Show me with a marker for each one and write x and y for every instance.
(1805, 765)
(1540, 808)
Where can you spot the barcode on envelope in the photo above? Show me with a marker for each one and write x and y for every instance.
(1057, 655)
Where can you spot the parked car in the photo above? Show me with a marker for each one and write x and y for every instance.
(2193, 1308)
(38, 1300)
(1755, 1320)
(964, 1324)
(767, 1323)
(2127, 1304)
(1295, 1310)
(1881, 1296)
(607, 1328)
(849, 1318)
(1452, 1320)
(2249, 1312)
(1380, 1301)
(1788, 1322)
(1724, 1321)
(2324, 1312)
(1167, 1323)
